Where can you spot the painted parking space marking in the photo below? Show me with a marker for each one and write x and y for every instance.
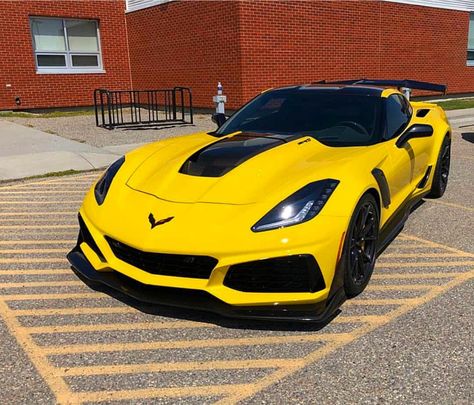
(39, 319)
(452, 205)
(41, 213)
(36, 242)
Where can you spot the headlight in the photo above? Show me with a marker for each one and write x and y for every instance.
(103, 185)
(298, 207)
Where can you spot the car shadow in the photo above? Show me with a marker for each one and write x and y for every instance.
(156, 126)
(468, 136)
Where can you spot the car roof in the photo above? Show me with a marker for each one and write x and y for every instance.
(363, 90)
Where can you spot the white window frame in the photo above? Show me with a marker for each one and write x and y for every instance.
(68, 54)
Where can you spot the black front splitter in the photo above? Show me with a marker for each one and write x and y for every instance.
(322, 312)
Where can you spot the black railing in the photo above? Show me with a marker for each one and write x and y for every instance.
(141, 108)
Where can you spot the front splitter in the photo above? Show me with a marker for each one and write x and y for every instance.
(321, 312)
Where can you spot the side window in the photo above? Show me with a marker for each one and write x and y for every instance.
(398, 115)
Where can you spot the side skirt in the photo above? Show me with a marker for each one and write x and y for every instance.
(396, 222)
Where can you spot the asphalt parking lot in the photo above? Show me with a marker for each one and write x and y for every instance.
(406, 339)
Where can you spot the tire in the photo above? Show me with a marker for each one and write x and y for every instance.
(440, 178)
(360, 246)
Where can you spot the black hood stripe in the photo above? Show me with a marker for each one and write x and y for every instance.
(220, 157)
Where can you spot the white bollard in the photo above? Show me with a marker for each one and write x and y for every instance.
(220, 100)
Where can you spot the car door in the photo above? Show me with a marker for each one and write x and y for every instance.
(408, 164)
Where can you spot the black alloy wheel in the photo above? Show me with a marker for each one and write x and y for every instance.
(360, 246)
(441, 175)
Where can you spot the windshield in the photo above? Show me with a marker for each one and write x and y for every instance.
(333, 118)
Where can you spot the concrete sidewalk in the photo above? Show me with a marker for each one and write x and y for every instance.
(461, 118)
(27, 152)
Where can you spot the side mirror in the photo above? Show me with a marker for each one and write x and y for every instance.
(219, 119)
(415, 131)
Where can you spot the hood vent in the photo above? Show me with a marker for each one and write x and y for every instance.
(219, 158)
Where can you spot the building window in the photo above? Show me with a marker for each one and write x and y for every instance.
(66, 45)
(470, 41)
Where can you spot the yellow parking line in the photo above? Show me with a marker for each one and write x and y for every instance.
(415, 255)
(414, 275)
(35, 242)
(452, 205)
(425, 264)
(42, 183)
(34, 260)
(72, 177)
(42, 226)
(36, 213)
(382, 301)
(41, 283)
(407, 247)
(41, 192)
(399, 287)
(376, 319)
(34, 272)
(44, 368)
(45, 297)
(179, 344)
(21, 251)
(180, 392)
(33, 202)
(179, 366)
(102, 327)
(250, 390)
(64, 233)
(75, 311)
(433, 244)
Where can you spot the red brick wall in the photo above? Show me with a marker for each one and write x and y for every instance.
(192, 44)
(253, 45)
(17, 64)
(247, 45)
(298, 42)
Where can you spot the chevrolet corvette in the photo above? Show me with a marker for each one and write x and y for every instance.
(280, 213)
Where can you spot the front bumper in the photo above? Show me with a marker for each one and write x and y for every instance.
(320, 312)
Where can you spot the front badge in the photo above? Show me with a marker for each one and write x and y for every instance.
(154, 222)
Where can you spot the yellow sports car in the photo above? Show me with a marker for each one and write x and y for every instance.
(280, 213)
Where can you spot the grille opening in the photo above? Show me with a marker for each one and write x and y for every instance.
(299, 273)
(164, 264)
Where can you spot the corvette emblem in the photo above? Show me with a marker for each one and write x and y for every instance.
(154, 222)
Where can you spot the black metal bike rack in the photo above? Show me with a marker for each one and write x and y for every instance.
(143, 108)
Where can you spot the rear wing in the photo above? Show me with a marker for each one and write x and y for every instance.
(405, 86)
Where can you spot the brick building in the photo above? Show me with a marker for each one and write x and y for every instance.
(53, 53)
(247, 45)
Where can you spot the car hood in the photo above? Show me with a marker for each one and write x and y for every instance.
(237, 169)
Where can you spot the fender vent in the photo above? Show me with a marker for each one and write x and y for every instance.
(423, 112)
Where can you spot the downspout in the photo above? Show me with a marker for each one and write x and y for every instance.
(128, 48)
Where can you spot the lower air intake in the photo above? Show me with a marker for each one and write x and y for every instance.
(299, 273)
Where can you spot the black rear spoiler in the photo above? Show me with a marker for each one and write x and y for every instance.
(409, 84)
